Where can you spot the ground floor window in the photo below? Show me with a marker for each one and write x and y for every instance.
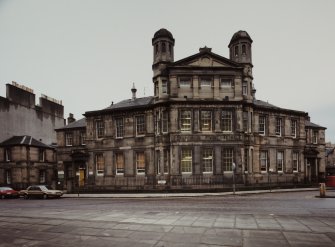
(42, 176)
(207, 160)
(166, 161)
(295, 161)
(280, 161)
(140, 163)
(8, 177)
(227, 159)
(263, 161)
(119, 158)
(100, 164)
(186, 160)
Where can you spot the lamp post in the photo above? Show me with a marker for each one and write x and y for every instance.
(234, 169)
(269, 178)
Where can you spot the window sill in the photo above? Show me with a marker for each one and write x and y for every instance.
(100, 174)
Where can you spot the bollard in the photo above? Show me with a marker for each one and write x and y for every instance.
(322, 190)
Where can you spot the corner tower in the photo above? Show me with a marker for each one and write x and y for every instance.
(240, 47)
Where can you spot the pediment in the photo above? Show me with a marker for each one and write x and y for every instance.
(206, 59)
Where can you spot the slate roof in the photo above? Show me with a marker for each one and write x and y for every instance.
(313, 125)
(81, 123)
(24, 141)
(266, 105)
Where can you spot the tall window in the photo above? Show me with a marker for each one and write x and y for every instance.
(166, 161)
(236, 51)
(140, 163)
(165, 121)
(8, 154)
(119, 158)
(164, 86)
(244, 50)
(42, 176)
(119, 127)
(315, 136)
(68, 139)
(295, 163)
(100, 163)
(8, 177)
(280, 161)
(140, 125)
(185, 120)
(225, 83)
(82, 138)
(207, 160)
(264, 161)
(227, 121)
(279, 126)
(227, 161)
(163, 47)
(41, 155)
(206, 121)
(100, 128)
(205, 82)
(294, 128)
(186, 160)
(245, 121)
(262, 125)
(244, 88)
(185, 82)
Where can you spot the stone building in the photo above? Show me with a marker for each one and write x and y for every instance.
(202, 129)
(25, 161)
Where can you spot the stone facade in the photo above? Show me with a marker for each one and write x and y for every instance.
(202, 129)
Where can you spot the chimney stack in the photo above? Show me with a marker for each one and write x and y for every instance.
(133, 91)
(70, 119)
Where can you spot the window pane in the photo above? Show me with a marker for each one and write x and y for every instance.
(227, 159)
(186, 160)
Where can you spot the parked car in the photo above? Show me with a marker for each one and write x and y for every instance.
(8, 192)
(40, 191)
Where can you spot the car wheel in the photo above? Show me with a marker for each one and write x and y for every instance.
(2, 197)
(26, 197)
(45, 196)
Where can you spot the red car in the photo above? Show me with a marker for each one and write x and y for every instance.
(7, 192)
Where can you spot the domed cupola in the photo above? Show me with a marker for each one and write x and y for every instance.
(163, 45)
(240, 47)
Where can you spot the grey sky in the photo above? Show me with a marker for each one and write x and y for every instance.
(88, 53)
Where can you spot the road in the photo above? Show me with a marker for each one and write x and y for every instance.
(272, 219)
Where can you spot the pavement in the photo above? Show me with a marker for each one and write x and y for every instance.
(192, 194)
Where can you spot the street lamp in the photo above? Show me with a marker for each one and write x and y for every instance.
(234, 169)
(269, 177)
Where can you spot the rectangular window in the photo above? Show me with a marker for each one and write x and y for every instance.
(164, 86)
(165, 121)
(42, 176)
(140, 125)
(68, 139)
(41, 155)
(100, 164)
(186, 160)
(8, 177)
(295, 161)
(166, 161)
(228, 159)
(207, 160)
(262, 125)
(225, 83)
(227, 121)
(100, 128)
(119, 127)
(206, 121)
(315, 137)
(119, 163)
(140, 163)
(264, 161)
(185, 120)
(279, 126)
(82, 138)
(8, 154)
(280, 161)
(294, 128)
(185, 82)
(245, 121)
(205, 82)
(244, 88)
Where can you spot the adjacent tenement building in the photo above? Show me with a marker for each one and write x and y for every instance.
(202, 128)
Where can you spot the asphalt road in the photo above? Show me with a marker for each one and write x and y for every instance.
(272, 219)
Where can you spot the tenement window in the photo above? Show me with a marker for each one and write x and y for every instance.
(82, 138)
(245, 121)
(263, 161)
(315, 136)
(140, 125)
(206, 120)
(227, 121)
(165, 121)
(8, 176)
(140, 163)
(42, 176)
(280, 161)
(185, 120)
(294, 128)
(185, 82)
(186, 160)
(68, 139)
(41, 155)
(119, 158)
(295, 161)
(227, 159)
(8, 154)
(279, 126)
(262, 125)
(244, 88)
(164, 86)
(100, 163)
(207, 160)
(100, 128)
(225, 83)
(119, 127)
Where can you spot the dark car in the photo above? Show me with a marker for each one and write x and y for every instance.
(40, 191)
(8, 192)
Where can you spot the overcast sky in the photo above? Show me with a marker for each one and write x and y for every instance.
(88, 53)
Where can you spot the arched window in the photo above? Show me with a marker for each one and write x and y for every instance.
(163, 47)
(244, 50)
(170, 48)
(236, 51)
(156, 48)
